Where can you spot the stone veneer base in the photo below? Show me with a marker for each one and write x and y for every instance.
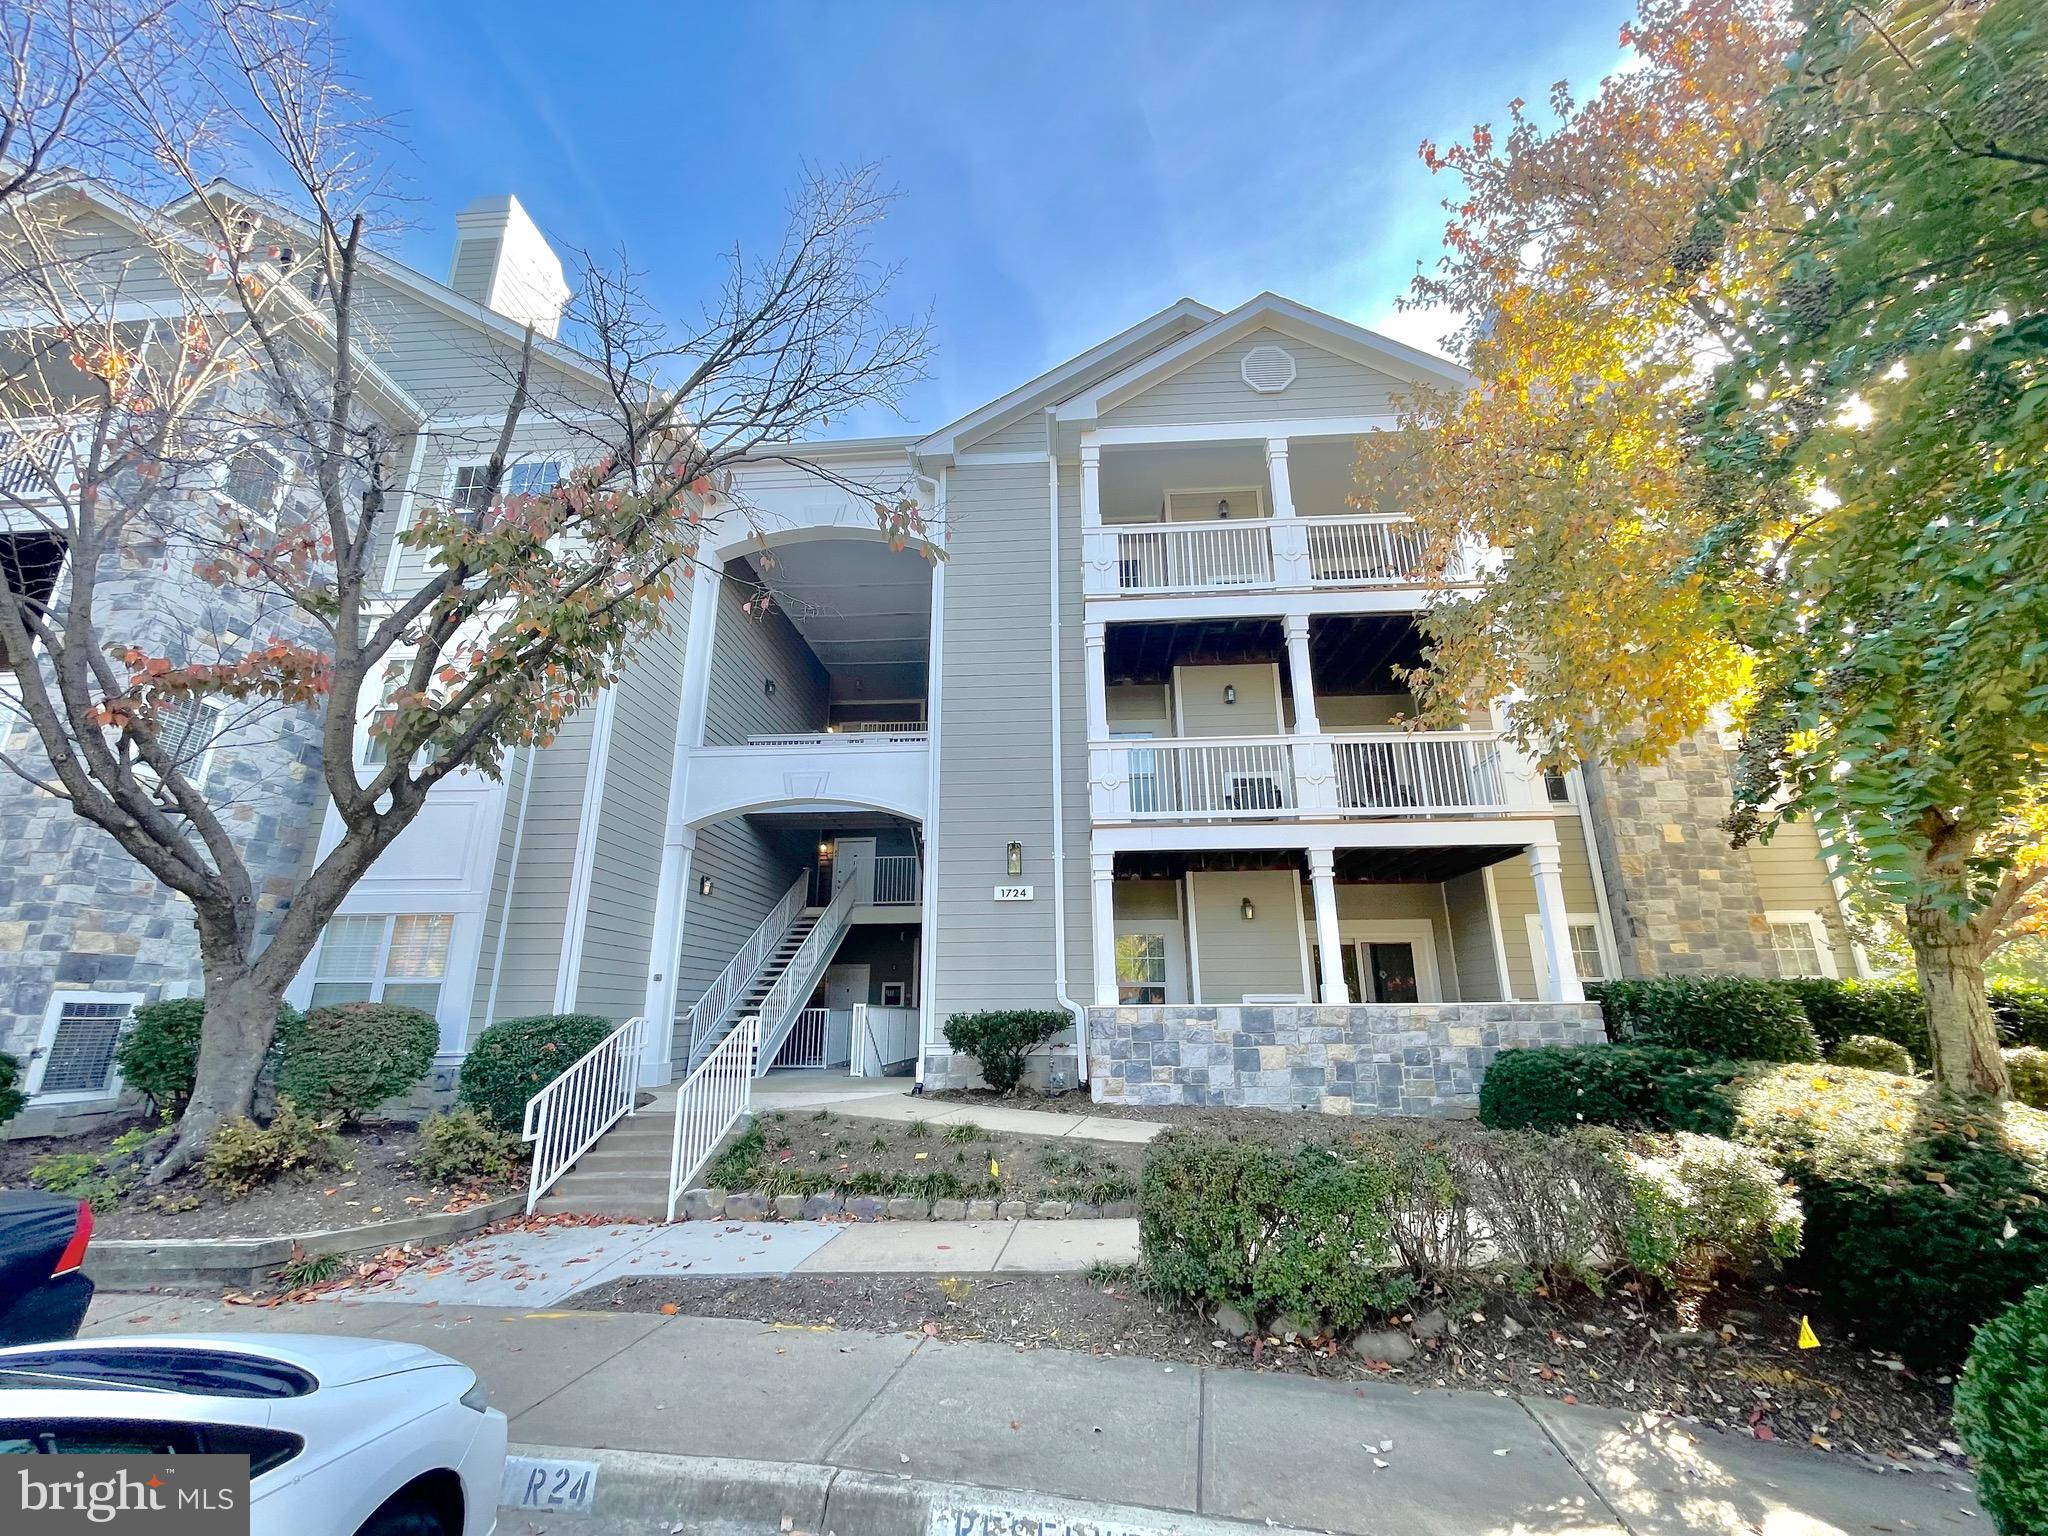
(749, 1205)
(1375, 1059)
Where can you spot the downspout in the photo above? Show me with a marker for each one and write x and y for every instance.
(934, 682)
(1059, 821)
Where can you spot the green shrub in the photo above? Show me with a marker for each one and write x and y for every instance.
(1001, 1038)
(1633, 1087)
(1743, 1018)
(79, 1176)
(2021, 1011)
(2002, 1414)
(1700, 1204)
(11, 1096)
(346, 1060)
(515, 1058)
(1889, 1009)
(465, 1147)
(2027, 1068)
(159, 1054)
(1873, 1053)
(243, 1155)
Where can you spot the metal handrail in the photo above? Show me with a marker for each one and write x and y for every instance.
(710, 1009)
(593, 1095)
(779, 1008)
(709, 1102)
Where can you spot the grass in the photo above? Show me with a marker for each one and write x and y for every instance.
(963, 1130)
(917, 1130)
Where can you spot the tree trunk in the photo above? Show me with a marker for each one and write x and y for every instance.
(241, 1018)
(1950, 961)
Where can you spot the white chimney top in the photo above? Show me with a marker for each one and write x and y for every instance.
(504, 263)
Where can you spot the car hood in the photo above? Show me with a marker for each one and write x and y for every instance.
(332, 1360)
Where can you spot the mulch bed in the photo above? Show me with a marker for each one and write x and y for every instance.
(1732, 1364)
(1269, 1124)
(929, 1159)
(377, 1183)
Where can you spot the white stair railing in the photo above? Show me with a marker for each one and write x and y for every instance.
(709, 1102)
(805, 1046)
(792, 988)
(896, 883)
(710, 1009)
(564, 1118)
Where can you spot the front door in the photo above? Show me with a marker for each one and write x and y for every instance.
(1392, 965)
(853, 859)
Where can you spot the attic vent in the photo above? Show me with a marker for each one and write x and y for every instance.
(1268, 369)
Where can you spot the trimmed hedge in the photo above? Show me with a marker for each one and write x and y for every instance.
(2021, 1011)
(2027, 1070)
(515, 1058)
(1630, 1087)
(1890, 1010)
(2002, 1414)
(1873, 1053)
(11, 1096)
(347, 1059)
(1741, 1017)
(1001, 1038)
(159, 1054)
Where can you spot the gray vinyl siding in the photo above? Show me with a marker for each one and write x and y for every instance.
(517, 767)
(750, 650)
(1212, 389)
(1235, 957)
(1791, 876)
(1515, 889)
(448, 448)
(1471, 931)
(749, 873)
(1140, 707)
(1024, 435)
(1361, 712)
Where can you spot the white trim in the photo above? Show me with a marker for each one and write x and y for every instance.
(1610, 968)
(405, 501)
(1475, 832)
(1823, 945)
(1308, 969)
(46, 1036)
(1187, 899)
(934, 690)
(1263, 602)
(569, 971)
(1575, 783)
(1238, 431)
(1500, 946)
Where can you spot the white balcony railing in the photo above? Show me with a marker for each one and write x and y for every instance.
(852, 737)
(805, 1046)
(38, 461)
(1277, 778)
(896, 880)
(1266, 554)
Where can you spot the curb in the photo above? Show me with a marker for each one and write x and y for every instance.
(641, 1491)
(128, 1264)
(703, 1204)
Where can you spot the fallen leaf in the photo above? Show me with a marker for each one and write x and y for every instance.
(669, 1309)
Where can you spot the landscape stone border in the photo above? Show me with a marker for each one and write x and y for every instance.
(705, 1204)
(130, 1264)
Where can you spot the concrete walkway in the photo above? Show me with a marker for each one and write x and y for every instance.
(890, 1098)
(544, 1268)
(668, 1401)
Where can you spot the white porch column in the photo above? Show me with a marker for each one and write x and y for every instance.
(1545, 869)
(1290, 538)
(1091, 485)
(1108, 785)
(672, 892)
(1322, 884)
(1315, 763)
(1102, 913)
(1098, 544)
(1301, 676)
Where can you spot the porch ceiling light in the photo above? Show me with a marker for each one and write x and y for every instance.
(1246, 910)
(1013, 859)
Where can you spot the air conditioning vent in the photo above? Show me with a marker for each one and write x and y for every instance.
(1268, 369)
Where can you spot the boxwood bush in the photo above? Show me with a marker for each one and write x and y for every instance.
(2021, 1010)
(2027, 1069)
(11, 1096)
(159, 1055)
(515, 1058)
(2002, 1414)
(1873, 1053)
(1632, 1087)
(1000, 1039)
(1741, 1017)
(1888, 1009)
(345, 1060)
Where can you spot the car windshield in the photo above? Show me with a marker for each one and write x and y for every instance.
(197, 1372)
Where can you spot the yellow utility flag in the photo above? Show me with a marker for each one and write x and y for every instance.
(995, 1169)
(1808, 1339)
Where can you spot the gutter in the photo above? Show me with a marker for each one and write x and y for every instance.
(1059, 822)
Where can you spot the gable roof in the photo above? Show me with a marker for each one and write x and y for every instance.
(1182, 318)
(1268, 311)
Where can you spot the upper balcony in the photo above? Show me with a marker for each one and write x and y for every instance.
(1262, 555)
(38, 462)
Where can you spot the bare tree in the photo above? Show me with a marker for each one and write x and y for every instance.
(258, 336)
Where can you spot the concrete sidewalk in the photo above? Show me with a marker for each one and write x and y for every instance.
(890, 1098)
(545, 1267)
(672, 1401)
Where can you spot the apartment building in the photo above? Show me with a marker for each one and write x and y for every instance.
(1122, 734)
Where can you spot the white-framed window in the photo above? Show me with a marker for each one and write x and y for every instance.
(254, 479)
(1140, 968)
(1591, 957)
(383, 958)
(188, 729)
(469, 488)
(892, 994)
(1799, 940)
(74, 1054)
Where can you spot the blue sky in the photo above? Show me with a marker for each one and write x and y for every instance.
(1065, 169)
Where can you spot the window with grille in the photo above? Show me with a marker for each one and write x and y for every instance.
(1589, 955)
(472, 492)
(533, 479)
(255, 482)
(77, 1055)
(1557, 789)
(384, 959)
(187, 728)
(1141, 968)
(1799, 941)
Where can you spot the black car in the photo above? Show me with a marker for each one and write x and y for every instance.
(43, 1286)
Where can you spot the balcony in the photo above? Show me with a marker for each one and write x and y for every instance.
(1285, 778)
(881, 770)
(39, 461)
(1256, 555)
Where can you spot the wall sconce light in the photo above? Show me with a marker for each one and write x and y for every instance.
(1230, 693)
(825, 848)
(703, 885)
(1014, 859)
(768, 687)
(1246, 910)
(1223, 508)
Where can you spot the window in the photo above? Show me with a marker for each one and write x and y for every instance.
(187, 728)
(1141, 968)
(1799, 940)
(533, 479)
(74, 1058)
(30, 564)
(255, 481)
(471, 491)
(892, 994)
(1557, 789)
(397, 959)
(1590, 956)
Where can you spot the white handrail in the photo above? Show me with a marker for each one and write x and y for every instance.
(793, 987)
(709, 1102)
(707, 1012)
(896, 880)
(564, 1118)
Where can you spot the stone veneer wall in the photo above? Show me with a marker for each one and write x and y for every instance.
(1387, 1058)
(1682, 898)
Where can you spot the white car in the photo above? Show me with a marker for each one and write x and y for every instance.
(345, 1437)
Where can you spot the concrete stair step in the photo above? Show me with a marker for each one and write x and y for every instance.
(650, 1209)
(596, 1185)
(629, 1157)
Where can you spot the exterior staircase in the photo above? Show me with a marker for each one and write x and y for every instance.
(626, 1173)
(756, 991)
